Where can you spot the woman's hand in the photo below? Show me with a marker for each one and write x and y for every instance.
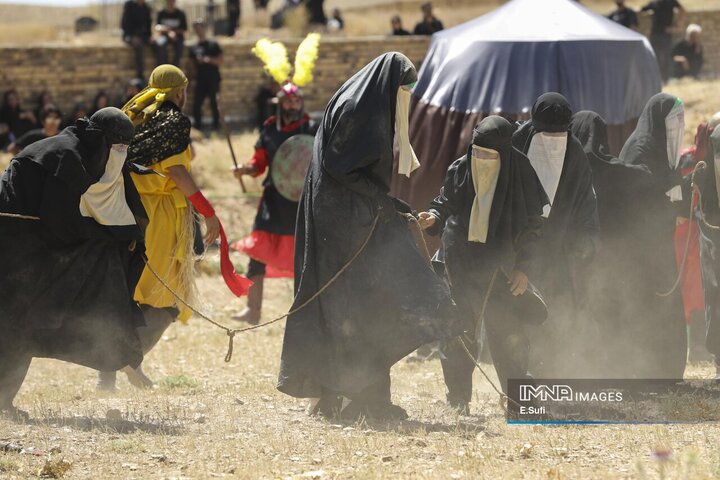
(212, 229)
(426, 220)
(518, 282)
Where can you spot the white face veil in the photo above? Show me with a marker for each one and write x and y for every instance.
(105, 200)
(675, 129)
(547, 157)
(407, 160)
(485, 169)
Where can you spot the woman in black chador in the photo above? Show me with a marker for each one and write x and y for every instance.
(569, 235)
(68, 278)
(389, 301)
(490, 213)
(656, 344)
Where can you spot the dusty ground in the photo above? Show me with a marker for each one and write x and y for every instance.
(211, 419)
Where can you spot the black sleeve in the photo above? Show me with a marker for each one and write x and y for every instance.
(634, 19)
(586, 223)
(160, 17)
(125, 20)
(526, 244)
(650, 7)
(418, 29)
(217, 50)
(451, 198)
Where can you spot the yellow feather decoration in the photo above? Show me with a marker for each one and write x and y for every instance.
(274, 56)
(307, 54)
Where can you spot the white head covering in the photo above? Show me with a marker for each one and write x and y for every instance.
(485, 172)
(105, 200)
(407, 160)
(547, 157)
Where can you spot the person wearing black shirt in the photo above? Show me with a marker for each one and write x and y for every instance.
(688, 54)
(172, 25)
(136, 25)
(208, 57)
(397, 28)
(50, 119)
(316, 12)
(429, 23)
(624, 16)
(663, 23)
(233, 12)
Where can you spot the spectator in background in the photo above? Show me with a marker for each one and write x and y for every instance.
(687, 55)
(101, 100)
(45, 98)
(261, 4)
(316, 12)
(171, 25)
(136, 25)
(397, 28)
(336, 22)
(208, 57)
(663, 26)
(233, 13)
(429, 23)
(80, 110)
(14, 120)
(264, 101)
(50, 119)
(624, 16)
(132, 88)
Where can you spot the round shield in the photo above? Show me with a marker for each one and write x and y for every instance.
(290, 165)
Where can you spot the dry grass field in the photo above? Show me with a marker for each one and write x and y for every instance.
(210, 419)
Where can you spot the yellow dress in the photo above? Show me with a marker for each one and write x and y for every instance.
(168, 238)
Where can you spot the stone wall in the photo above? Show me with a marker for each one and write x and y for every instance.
(71, 73)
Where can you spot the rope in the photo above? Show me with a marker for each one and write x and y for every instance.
(18, 216)
(231, 332)
(502, 394)
(681, 271)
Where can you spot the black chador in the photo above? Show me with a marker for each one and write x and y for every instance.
(389, 301)
(652, 316)
(68, 278)
(569, 236)
(490, 214)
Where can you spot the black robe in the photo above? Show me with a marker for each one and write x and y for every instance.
(614, 273)
(514, 230)
(514, 223)
(707, 182)
(389, 302)
(67, 282)
(568, 245)
(654, 335)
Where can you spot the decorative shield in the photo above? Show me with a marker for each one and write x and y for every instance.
(290, 165)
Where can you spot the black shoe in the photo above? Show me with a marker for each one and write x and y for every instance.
(328, 407)
(462, 408)
(376, 411)
(14, 414)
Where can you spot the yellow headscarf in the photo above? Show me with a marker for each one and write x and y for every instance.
(165, 82)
